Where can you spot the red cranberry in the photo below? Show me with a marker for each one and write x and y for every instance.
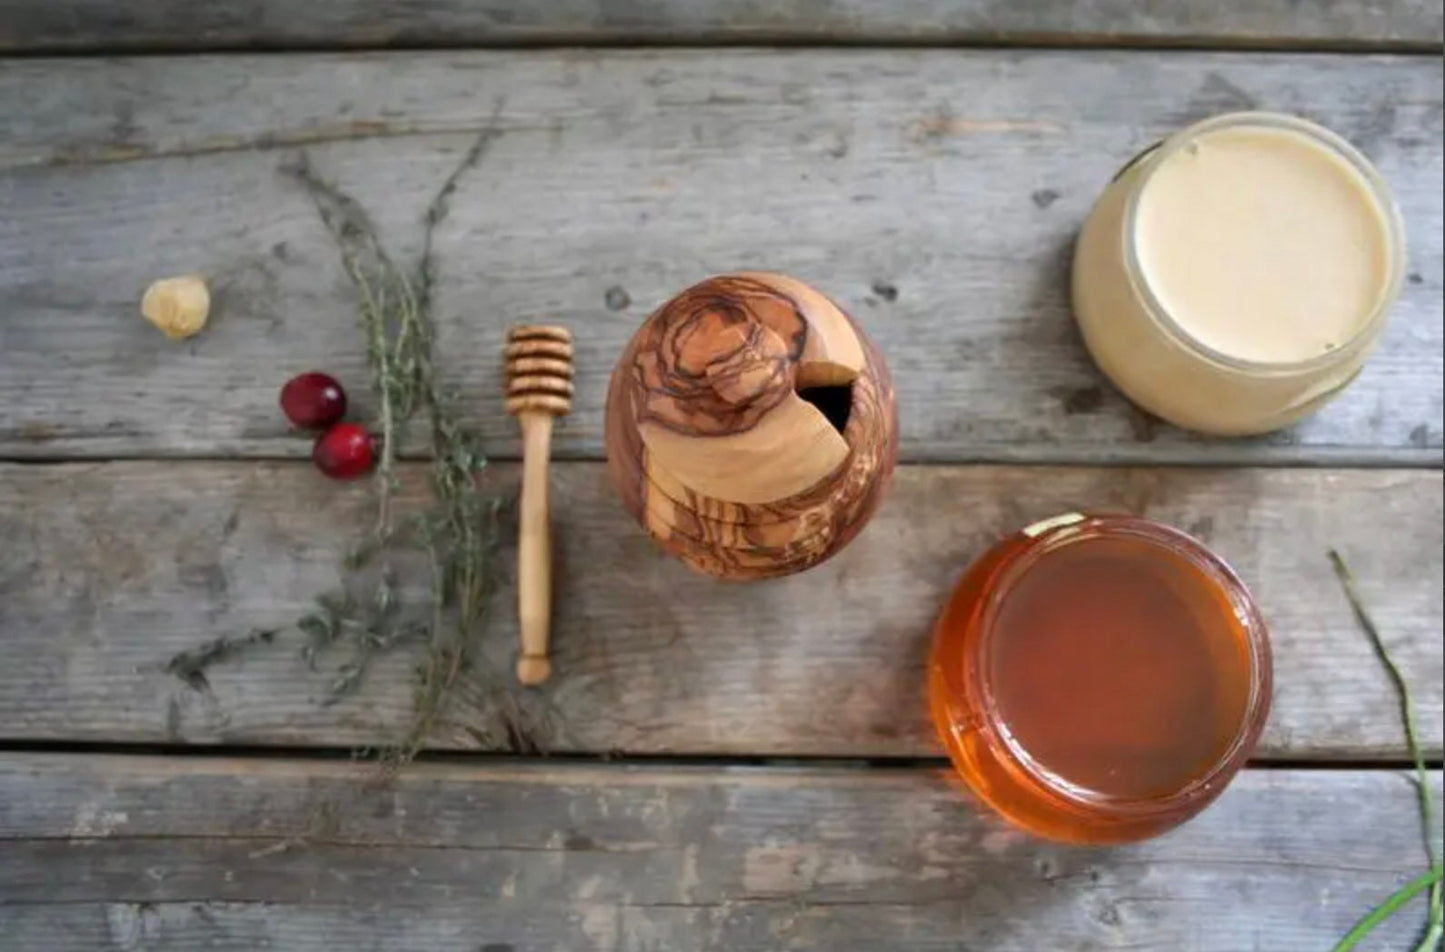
(345, 451)
(313, 400)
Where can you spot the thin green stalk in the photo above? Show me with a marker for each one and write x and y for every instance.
(1435, 933)
(1402, 689)
(1435, 927)
(1426, 880)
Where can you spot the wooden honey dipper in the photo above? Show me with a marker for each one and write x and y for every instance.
(539, 387)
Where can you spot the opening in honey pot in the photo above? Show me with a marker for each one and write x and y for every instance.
(1099, 679)
(834, 402)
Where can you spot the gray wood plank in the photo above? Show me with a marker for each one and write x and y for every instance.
(934, 194)
(108, 569)
(169, 854)
(85, 25)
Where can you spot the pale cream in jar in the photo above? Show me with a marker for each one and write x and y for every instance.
(1234, 278)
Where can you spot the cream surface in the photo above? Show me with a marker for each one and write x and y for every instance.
(1262, 244)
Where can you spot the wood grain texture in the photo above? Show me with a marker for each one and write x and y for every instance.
(934, 195)
(229, 855)
(715, 444)
(77, 25)
(108, 569)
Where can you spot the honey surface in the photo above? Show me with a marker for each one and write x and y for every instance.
(1118, 667)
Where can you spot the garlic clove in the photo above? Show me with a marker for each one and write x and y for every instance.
(178, 306)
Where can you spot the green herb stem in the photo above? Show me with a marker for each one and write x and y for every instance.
(1426, 880)
(1432, 879)
(1402, 689)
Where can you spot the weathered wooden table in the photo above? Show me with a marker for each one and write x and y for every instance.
(734, 767)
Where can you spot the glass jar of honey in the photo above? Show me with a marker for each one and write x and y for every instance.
(1234, 278)
(1099, 679)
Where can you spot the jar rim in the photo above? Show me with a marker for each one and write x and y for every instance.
(1056, 534)
(1380, 194)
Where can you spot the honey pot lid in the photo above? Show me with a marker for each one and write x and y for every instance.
(722, 377)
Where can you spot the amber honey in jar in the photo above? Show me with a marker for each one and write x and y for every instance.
(1099, 679)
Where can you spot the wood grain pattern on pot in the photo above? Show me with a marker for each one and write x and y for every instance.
(308, 856)
(718, 442)
(107, 570)
(184, 25)
(933, 194)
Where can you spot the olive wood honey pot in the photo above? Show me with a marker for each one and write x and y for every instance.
(751, 426)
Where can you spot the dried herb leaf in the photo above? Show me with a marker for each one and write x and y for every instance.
(190, 666)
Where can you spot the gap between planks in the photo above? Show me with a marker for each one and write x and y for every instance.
(781, 42)
(91, 26)
(489, 758)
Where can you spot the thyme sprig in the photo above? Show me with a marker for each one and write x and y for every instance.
(458, 532)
